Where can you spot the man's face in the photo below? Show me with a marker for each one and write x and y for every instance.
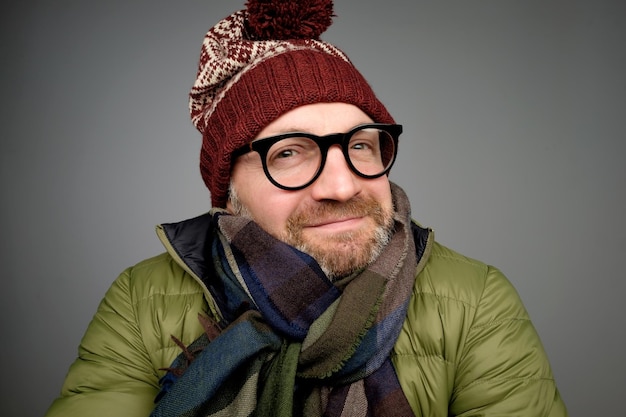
(342, 220)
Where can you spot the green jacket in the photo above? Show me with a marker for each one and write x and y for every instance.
(467, 347)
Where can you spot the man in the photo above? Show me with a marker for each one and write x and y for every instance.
(307, 289)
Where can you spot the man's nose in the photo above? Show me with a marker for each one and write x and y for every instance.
(337, 181)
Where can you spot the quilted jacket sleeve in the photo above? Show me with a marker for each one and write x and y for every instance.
(113, 374)
(503, 369)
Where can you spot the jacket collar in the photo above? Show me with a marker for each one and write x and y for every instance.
(189, 243)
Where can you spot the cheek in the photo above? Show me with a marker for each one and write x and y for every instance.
(271, 221)
(380, 189)
(271, 209)
(268, 205)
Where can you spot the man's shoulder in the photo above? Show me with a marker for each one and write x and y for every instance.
(159, 266)
(160, 274)
(448, 274)
(442, 255)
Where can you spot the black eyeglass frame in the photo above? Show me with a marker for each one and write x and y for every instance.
(262, 147)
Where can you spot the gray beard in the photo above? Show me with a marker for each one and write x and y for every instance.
(335, 265)
(381, 238)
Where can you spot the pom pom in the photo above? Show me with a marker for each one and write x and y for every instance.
(284, 20)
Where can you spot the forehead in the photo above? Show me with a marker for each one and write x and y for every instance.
(318, 118)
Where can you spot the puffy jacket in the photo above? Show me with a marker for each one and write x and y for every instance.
(467, 347)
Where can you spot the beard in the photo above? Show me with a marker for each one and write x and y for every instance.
(341, 254)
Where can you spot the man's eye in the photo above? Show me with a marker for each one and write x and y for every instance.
(286, 153)
(361, 146)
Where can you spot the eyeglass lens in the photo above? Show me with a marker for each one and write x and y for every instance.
(295, 161)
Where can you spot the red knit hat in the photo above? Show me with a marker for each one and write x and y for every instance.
(262, 62)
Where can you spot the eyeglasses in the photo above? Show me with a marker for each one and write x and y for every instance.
(293, 161)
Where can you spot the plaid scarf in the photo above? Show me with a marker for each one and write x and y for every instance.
(292, 343)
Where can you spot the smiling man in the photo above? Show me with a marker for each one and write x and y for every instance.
(307, 289)
(342, 219)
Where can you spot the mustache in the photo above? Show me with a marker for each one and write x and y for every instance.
(325, 210)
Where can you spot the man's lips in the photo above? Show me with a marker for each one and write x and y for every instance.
(339, 224)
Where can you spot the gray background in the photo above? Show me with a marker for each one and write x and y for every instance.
(514, 113)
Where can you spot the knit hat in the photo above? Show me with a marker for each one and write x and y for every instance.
(258, 64)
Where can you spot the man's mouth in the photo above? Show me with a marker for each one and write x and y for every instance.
(337, 224)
